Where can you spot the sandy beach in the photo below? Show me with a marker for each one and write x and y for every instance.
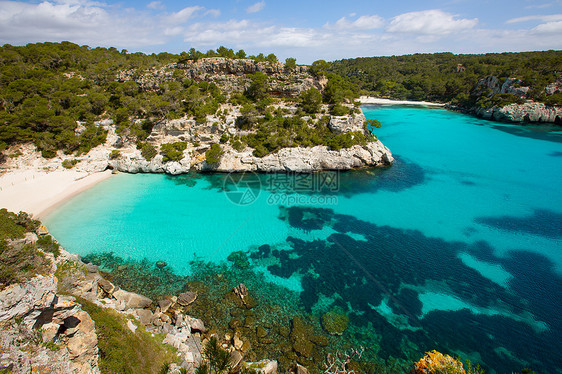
(377, 100)
(37, 192)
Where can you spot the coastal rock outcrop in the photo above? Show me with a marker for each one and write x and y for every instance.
(343, 124)
(305, 159)
(32, 309)
(527, 112)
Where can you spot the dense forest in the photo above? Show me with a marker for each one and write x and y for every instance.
(445, 77)
(52, 94)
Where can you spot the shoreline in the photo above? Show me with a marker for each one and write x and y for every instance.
(38, 193)
(380, 101)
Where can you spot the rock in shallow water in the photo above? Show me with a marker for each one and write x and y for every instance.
(186, 298)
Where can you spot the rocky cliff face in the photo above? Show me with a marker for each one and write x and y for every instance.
(229, 75)
(32, 315)
(199, 137)
(297, 159)
(529, 111)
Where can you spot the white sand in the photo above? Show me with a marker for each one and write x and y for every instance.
(38, 192)
(377, 100)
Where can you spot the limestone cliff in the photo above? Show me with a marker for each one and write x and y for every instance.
(527, 112)
(230, 75)
(523, 111)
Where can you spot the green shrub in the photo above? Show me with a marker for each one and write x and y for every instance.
(217, 360)
(68, 163)
(19, 262)
(9, 226)
(173, 151)
(237, 145)
(213, 154)
(121, 350)
(147, 151)
(311, 101)
(338, 110)
(48, 244)
(114, 154)
(553, 100)
(50, 345)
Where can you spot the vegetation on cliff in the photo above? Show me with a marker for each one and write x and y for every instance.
(62, 96)
(20, 260)
(445, 77)
(124, 351)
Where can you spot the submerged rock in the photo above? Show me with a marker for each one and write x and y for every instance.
(241, 297)
(335, 322)
(300, 337)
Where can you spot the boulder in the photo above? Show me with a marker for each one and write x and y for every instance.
(132, 300)
(145, 316)
(195, 324)
(186, 298)
(165, 304)
(241, 297)
(107, 286)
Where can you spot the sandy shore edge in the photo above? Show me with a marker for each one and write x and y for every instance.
(378, 100)
(38, 192)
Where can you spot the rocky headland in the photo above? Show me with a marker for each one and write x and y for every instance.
(123, 155)
(195, 134)
(523, 111)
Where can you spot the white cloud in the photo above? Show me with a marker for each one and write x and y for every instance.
(82, 22)
(539, 6)
(549, 28)
(361, 23)
(156, 5)
(543, 18)
(256, 7)
(213, 13)
(430, 22)
(183, 15)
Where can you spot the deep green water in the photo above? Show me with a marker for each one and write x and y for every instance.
(456, 247)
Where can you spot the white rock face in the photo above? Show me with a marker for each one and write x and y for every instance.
(36, 301)
(305, 160)
(343, 124)
(527, 112)
(19, 299)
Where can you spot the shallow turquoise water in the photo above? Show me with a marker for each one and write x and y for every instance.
(460, 239)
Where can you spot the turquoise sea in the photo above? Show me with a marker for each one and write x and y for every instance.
(456, 247)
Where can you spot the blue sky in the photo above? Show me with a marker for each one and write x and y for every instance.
(306, 30)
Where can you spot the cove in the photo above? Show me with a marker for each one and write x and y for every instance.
(456, 247)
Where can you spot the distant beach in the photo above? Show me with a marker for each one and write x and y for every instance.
(38, 192)
(377, 100)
